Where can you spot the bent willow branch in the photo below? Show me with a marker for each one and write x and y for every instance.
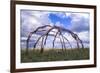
(56, 34)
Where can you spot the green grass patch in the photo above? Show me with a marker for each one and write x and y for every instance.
(54, 55)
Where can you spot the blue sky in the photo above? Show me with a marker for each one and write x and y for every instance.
(55, 18)
(76, 22)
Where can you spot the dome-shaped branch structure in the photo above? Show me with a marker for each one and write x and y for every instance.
(58, 34)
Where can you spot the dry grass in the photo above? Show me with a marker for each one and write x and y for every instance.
(55, 55)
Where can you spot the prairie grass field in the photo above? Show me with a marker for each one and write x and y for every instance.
(54, 55)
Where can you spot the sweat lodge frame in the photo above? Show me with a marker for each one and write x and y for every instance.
(14, 65)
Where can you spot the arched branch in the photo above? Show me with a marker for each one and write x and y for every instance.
(67, 41)
(30, 35)
(27, 42)
(55, 38)
(63, 41)
(42, 46)
(45, 35)
(80, 41)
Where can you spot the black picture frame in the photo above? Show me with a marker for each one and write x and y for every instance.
(13, 35)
